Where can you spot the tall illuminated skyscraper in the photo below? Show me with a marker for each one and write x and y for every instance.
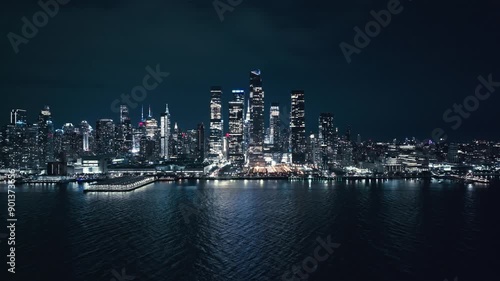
(215, 138)
(70, 144)
(298, 128)
(165, 133)
(151, 125)
(274, 125)
(326, 135)
(236, 127)
(86, 131)
(124, 132)
(105, 137)
(256, 156)
(45, 136)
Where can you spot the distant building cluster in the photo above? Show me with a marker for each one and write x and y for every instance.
(246, 145)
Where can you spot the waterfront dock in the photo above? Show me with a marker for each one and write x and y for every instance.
(121, 184)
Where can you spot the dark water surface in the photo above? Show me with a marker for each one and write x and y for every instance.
(258, 230)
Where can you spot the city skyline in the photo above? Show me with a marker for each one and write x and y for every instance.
(226, 99)
(410, 68)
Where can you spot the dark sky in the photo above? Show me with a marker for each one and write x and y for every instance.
(424, 61)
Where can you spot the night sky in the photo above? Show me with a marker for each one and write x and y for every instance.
(426, 59)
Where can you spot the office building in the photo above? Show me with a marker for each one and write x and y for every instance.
(298, 128)
(105, 137)
(236, 128)
(165, 134)
(215, 138)
(256, 157)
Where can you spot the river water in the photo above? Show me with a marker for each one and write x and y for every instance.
(258, 230)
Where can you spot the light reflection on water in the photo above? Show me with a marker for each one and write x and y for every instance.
(257, 230)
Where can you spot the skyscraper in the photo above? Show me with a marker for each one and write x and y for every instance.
(327, 135)
(236, 127)
(86, 131)
(105, 137)
(151, 125)
(124, 137)
(257, 119)
(165, 133)
(274, 125)
(215, 139)
(200, 142)
(70, 145)
(45, 136)
(298, 128)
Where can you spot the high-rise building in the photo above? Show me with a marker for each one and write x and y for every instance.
(165, 134)
(45, 136)
(313, 150)
(236, 128)
(16, 138)
(298, 128)
(124, 131)
(105, 137)
(86, 131)
(274, 126)
(175, 143)
(70, 145)
(151, 126)
(327, 136)
(215, 139)
(18, 115)
(200, 140)
(257, 128)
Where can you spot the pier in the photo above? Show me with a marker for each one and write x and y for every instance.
(120, 184)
